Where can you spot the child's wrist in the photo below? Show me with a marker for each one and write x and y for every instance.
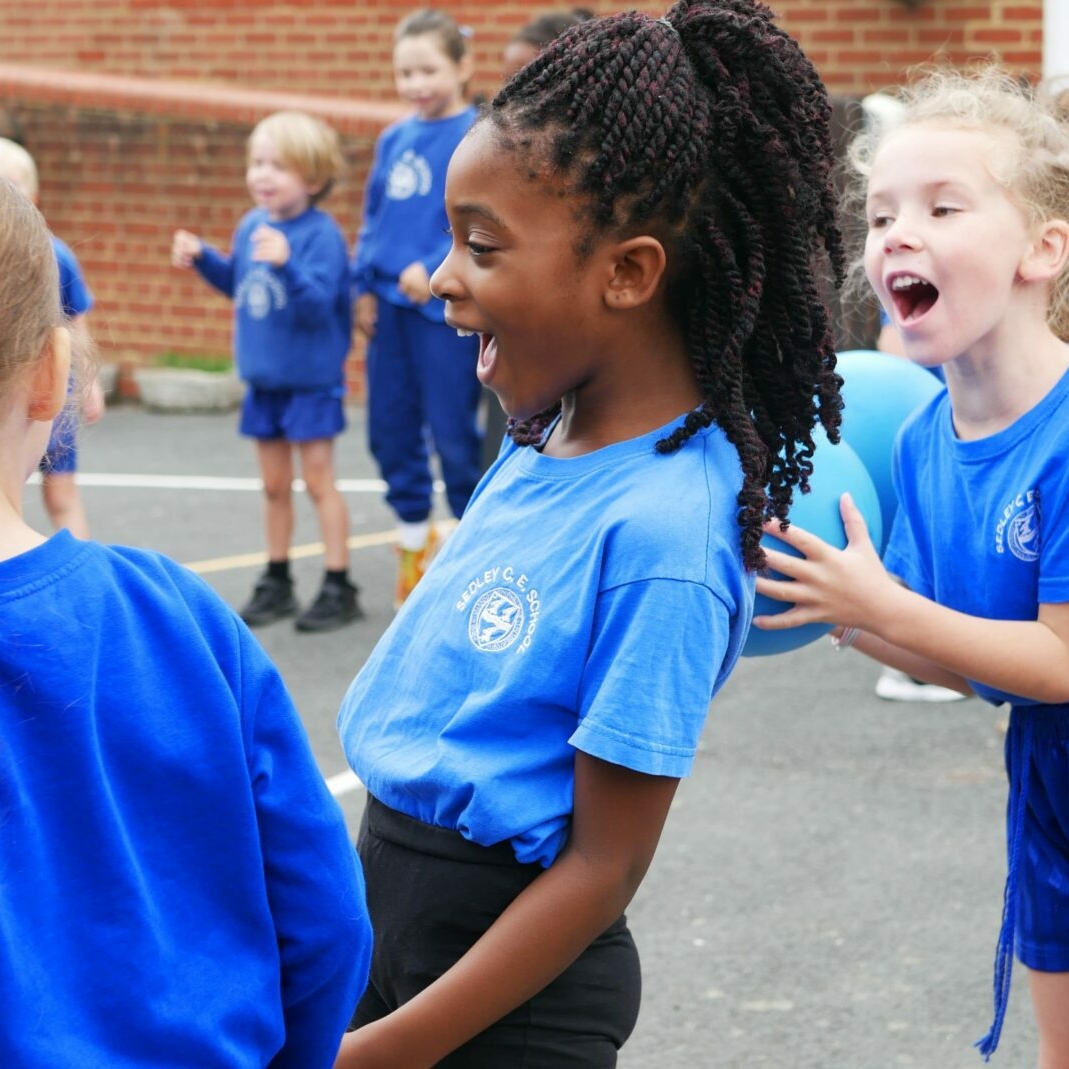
(842, 638)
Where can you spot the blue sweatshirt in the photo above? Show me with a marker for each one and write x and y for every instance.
(292, 324)
(176, 884)
(404, 207)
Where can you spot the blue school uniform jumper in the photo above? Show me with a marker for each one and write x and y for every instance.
(61, 455)
(292, 324)
(420, 373)
(595, 603)
(983, 527)
(176, 883)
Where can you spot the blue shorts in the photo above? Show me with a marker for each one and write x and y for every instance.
(294, 416)
(1043, 874)
(61, 455)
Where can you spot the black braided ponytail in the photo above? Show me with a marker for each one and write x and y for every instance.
(710, 130)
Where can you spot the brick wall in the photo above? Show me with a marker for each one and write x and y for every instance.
(137, 112)
(341, 48)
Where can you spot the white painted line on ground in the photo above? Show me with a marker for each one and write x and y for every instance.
(343, 783)
(207, 482)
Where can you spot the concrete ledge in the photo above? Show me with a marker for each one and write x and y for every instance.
(172, 389)
(201, 101)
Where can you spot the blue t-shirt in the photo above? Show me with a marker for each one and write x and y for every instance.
(595, 603)
(292, 324)
(404, 217)
(983, 526)
(74, 294)
(176, 883)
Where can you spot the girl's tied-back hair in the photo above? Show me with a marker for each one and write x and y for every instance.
(452, 38)
(29, 286)
(307, 144)
(710, 130)
(1035, 174)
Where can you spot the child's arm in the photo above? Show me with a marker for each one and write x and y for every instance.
(851, 588)
(188, 251)
(617, 821)
(314, 274)
(313, 879)
(366, 238)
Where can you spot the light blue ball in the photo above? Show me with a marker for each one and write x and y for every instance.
(837, 469)
(879, 393)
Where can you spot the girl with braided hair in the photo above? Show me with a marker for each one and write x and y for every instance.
(639, 222)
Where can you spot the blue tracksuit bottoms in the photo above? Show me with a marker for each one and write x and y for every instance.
(423, 397)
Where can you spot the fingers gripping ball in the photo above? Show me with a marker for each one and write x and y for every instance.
(837, 469)
(879, 393)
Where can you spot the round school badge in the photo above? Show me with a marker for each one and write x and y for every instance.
(496, 620)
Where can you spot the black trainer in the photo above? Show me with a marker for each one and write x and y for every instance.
(272, 599)
(335, 606)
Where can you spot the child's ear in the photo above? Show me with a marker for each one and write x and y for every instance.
(638, 268)
(48, 388)
(465, 70)
(1048, 254)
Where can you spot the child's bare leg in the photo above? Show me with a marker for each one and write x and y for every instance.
(276, 470)
(63, 502)
(317, 467)
(1050, 997)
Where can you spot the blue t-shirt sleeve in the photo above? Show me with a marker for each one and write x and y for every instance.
(314, 881)
(74, 293)
(651, 674)
(1054, 547)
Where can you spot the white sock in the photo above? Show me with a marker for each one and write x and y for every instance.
(413, 536)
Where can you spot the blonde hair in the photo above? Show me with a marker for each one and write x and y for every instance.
(988, 98)
(17, 166)
(307, 144)
(29, 287)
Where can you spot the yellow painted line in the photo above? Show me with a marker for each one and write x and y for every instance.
(313, 549)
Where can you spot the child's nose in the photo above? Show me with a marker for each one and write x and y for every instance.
(443, 281)
(901, 234)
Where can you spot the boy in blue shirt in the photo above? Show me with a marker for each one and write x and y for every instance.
(287, 273)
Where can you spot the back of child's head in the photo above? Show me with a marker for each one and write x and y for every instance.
(306, 144)
(541, 30)
(17, 166)
(710, 130)
(440, 25)
(1032, 162)
(29, 287)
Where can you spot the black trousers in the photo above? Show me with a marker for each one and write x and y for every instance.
(432, 894)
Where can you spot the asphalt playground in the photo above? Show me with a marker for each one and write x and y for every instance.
(828, 889)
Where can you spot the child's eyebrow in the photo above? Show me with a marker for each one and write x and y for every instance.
(480, 210)
(936, 185)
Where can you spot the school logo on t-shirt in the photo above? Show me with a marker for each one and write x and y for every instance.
(503, 610)
(1018, 527)
(258, 292)
(409, 176)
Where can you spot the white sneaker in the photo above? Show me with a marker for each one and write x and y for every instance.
(895, 686)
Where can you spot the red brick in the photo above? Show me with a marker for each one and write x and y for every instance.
(124, 163)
